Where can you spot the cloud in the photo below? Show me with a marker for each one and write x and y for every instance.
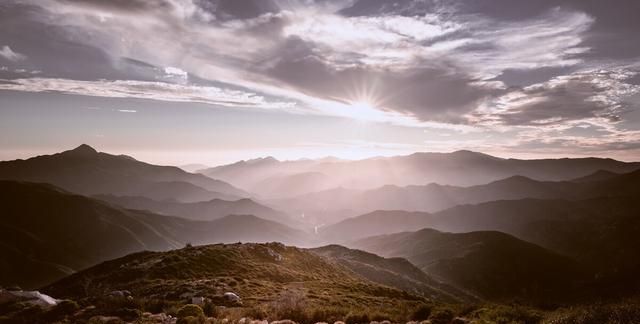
(149, 90)
(127, 111)
(7, 53)
(583, 95)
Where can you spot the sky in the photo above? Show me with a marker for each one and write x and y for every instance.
(216, 81)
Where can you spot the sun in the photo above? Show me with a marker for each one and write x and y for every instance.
(365, 111)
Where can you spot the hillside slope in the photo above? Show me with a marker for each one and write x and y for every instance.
(258, 273)
(393, 272)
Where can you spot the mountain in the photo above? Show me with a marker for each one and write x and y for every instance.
(85, 171)
(460, 168)
(392, 272)
(375, 223)
(46, 232)
(194, 167)
(597, 176)
(262, 275)
(202, 210)
(492, 264)
(599, 233)
(330, 204)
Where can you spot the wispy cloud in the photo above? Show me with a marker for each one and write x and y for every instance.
(9, 54)
(148, 90)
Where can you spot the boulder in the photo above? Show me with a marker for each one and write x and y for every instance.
(198, 300)
(35, 298)
(232, 297)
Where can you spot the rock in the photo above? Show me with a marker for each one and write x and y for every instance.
(460, 320)
(198, 300)
(30, 297)
(119, 293)
(275, 255)
(339, 322)
(284, 322)
(259, 322)
(230, 296)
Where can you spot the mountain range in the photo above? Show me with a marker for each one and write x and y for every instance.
(85, 171)
(201, 210)
(336, 204)
(266, 176)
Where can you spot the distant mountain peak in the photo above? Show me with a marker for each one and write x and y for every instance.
(83, 149)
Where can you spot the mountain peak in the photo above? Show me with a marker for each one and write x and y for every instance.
(83, 149)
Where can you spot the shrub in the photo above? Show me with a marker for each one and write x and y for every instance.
(255, 313)
(327, 314)
(210, 309)
(441, 316)
(357, 319)
(190, 320)
(421, 313)
(127, 314)
(190, 310)
(60, 311)
(290, 305)
(504, 314)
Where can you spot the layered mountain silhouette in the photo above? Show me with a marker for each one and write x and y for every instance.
(393, 272)
(336, 203)
(47, 233)
(599, 233)
(85, 171)
(492, 264)
(461, 168)
(202, 210)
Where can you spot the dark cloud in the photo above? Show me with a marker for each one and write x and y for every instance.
(239, 9)
(125, 6)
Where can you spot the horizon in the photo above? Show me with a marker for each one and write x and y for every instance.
(140, 157)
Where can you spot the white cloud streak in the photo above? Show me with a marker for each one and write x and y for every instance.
(9, 54)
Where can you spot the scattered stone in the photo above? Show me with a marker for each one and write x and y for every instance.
(119, 293)
(259, 322)
(275, 255)
(198, 300)
(284, 322)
